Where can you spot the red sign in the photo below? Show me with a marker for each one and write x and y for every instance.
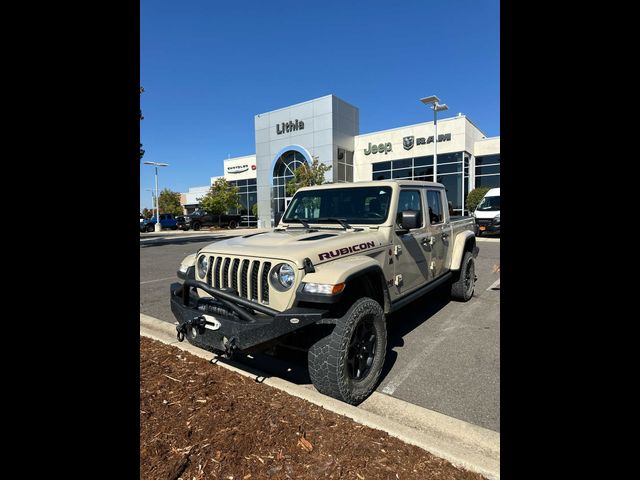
(253, 167)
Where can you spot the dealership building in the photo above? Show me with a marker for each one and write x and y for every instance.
(329, 128)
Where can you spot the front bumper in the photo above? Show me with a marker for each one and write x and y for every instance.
(487, 225)
(226, 322)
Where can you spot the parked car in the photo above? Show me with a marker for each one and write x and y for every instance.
(167, 220)
(201, 218)
(487, 213)
(342, 257)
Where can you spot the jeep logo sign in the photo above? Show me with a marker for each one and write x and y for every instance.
(238, 169)
(382, 147)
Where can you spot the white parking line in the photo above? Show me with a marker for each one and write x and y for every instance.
(495, 285)
(413, 364)
(157, 280)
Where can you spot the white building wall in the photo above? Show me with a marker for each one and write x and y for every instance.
(487, 146)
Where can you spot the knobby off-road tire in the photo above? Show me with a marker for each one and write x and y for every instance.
(464, 284)
(196, 226)
(334, 361)
(232, 224)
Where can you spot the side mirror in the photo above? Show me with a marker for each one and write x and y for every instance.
(409, 220)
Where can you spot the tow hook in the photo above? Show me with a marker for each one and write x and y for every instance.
(183, 328)
(229, 348)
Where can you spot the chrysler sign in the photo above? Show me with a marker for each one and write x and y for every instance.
(238, 168)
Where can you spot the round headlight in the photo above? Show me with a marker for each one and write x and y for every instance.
(285, 275)
(203, 266)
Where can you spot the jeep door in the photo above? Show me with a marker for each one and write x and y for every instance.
(410, 262)
(438, 239)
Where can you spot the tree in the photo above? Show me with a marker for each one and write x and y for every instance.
(254, 209)
(307, 175)
(169, 202)
(146, 213)
(220, 198)
(474, 197)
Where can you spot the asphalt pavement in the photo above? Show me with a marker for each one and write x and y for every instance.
(443, 355)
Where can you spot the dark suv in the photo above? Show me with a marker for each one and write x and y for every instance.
(200, 218)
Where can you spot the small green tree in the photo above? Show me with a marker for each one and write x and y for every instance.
(254, 209)
(220, 198)
(307, 175)
(474, 197)
(169, 202)
(146, 213)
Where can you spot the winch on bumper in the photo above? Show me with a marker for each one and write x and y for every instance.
(226, 322)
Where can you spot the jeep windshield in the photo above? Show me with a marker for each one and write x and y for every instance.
(357, 205)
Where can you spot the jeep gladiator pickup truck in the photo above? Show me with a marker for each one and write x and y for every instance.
(342, 257)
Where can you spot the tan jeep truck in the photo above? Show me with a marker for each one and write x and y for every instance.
(342, 257)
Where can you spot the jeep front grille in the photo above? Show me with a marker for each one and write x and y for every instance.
(250, 278)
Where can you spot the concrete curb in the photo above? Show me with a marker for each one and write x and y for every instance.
(463, 444)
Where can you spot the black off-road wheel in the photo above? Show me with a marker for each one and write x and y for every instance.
(196, 226)
(346, 364)
(464, 284)
(151, 228)
(232, 224)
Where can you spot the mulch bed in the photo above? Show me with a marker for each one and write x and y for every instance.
(199, 420)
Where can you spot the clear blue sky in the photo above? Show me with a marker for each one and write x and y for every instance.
(208, 67)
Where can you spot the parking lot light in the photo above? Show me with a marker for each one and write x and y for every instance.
(436, 107)
(157, 226)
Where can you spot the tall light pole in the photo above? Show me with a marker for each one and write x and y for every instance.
(436, 107)
(157, 226)
(153, 199)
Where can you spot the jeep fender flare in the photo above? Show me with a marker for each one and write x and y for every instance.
(460, 246)
(348, 270)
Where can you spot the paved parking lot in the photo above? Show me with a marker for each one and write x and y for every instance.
(443, 355)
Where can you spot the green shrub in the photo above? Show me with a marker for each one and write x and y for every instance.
(474, 197)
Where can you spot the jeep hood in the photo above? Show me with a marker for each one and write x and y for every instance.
(295, 245)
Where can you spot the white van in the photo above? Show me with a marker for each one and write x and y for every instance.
(487, 213)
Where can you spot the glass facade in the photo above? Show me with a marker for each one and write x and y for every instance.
(248, 198)
(488, 171)
(452, 167)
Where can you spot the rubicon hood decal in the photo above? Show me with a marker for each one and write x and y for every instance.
(343, 251)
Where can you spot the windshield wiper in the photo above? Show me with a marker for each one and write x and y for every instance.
(304, 223)
(344, 224)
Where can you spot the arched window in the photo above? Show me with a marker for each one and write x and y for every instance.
(282, 173)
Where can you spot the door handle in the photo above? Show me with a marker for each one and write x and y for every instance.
(428, 241)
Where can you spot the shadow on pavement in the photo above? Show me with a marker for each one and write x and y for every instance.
(291, 364)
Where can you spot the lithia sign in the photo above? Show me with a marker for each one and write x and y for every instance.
(407, 143)
(286, 127)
